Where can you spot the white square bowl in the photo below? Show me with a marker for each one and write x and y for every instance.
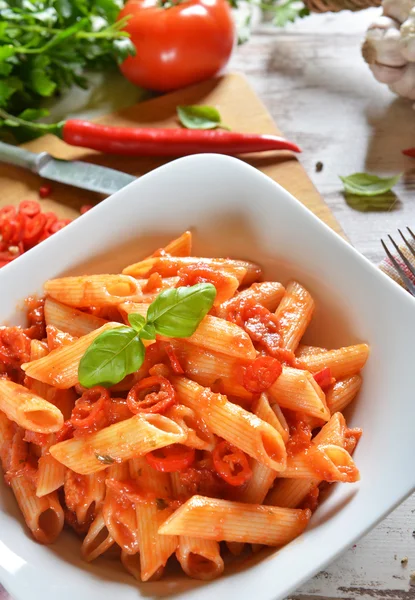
(236, 211)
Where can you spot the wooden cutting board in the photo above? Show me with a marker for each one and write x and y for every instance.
(241, 110)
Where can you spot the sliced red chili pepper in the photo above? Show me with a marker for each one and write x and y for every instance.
(29, 208)
(231, 464)
(174, 359)
(33, 230)
(144, 397)
(7, 213)
(45, 190)
(261, 325)
(324, 378)
(154, 283)
(89, 413)
(58, 225)
(51, 219)
(12, 230)
(171, 458)
(86, 208)
(66, 432)
(200, 273)
(261, 374)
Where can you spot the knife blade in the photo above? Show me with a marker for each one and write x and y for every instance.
(71, 172)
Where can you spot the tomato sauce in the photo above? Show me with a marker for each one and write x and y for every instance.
(300, 434)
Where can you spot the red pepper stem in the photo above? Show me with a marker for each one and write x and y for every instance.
(409, 152)
(138, 141)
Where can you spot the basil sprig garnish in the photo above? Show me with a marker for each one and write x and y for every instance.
(118, 352)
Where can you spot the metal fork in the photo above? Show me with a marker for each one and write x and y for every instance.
(410, 286)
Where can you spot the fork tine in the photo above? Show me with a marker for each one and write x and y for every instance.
(411, 232)
(402, 255)
(408, 245)
(408, 283)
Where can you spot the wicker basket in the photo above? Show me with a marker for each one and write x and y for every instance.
(321, 6)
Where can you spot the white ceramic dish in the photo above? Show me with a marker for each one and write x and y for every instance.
(236, 211)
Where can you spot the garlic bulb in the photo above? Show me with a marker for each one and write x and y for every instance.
(389, 48)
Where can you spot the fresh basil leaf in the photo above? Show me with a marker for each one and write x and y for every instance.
(199, 117)
(136, 321)
(111, 356)
(148, 332)
(363, 184)
(177, 312)
(382, 203)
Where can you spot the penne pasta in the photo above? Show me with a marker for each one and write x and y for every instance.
(97, 540)
(198, 433)
(236, 522)
(181, 246)
(94, 290)
(69, 319)
(234, 424)
(268, 294)
(212, 438)
(294, 314)
(60, 367)
(246, 272)
(139, 434)
(121, 521)
(155, 549)
(50, 475)
(218, 335)
(343, 362)
(326, 462)
(199, 558)
(43, 516)
(343, 392)
(27, 409)
(84, 494)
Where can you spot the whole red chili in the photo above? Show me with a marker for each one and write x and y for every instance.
(231, 464)
(171, 458)
(144, 397)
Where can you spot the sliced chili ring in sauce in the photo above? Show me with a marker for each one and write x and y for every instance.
(89, 412)
(231, 464)
(153, 394)
(261, 374)
(171, 458)
(324, 378)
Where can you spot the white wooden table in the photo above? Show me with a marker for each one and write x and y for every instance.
(320, 92)
(313, 80)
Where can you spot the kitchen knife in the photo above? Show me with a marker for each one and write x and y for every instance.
(72, 172)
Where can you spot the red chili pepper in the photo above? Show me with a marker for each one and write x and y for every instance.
(324, 378)
(58, 225)
(171, 458)
(7, 213)
(65, 432)
(85, 208)
(143, 396)
(89, 413)
(140, 141)
(29, 208)
(261, 374)
(409, 152)
(45, 190)
(51, 218)
(231, 464)
(174, 360)
(33, 229)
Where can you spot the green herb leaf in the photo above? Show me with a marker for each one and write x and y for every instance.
(105, 459)
(199, 117)
(111, 356)
(288, 12)
(177, 312)
(136, 321)
(363, 184)
(382, 203)
(32, 114)
(148, 332)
